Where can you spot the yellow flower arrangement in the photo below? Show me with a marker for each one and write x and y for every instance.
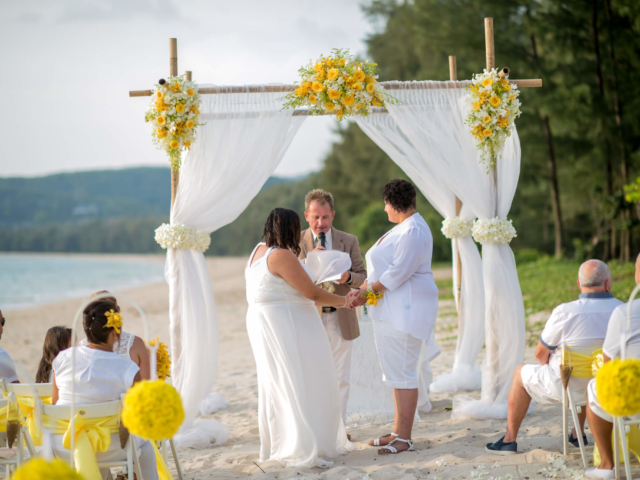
(153, 410)
(163, 359)
(175, 106)
(493, 107)
(338, 84)
(114, 320)
(373, 297)
(618, 387)
(41, 469)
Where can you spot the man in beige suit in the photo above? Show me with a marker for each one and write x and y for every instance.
(342, 324)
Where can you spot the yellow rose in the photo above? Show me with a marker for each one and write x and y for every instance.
(317, 87)
(487, 133)
(350, 80)
(161, 120)
(320, 75)
(357, 86)
(476, 106)
(495, 101)
(180, 108)
(334, 94)
(159, 94)
(342, 62)
(174, 144)
(484, 96)
(370, 87)
(359, 75)
(317, 67)
(486, 119)
(348, 99)
(330, 106)
(313, 98)
(487, 81)
(190, 92)
(332, 74)
(190, 124)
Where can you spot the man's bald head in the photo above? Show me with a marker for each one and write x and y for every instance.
(595, 276)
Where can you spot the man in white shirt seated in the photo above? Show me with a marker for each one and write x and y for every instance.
(7, 367)
(600, 421)
(580, 323)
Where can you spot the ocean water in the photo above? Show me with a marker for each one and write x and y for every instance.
(27, 280)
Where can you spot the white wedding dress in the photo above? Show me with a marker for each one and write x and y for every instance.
(299, 413)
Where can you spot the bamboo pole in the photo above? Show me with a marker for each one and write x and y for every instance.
(187, 75)
(453, 76)
(488, 43)
(173, 69)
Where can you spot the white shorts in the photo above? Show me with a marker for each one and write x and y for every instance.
(398, 353)
(544, 385)
(594, 404)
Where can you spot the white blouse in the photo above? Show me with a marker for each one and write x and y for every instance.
(401, 261)
(100, 376)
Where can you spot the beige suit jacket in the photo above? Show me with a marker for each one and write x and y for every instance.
(348, 243)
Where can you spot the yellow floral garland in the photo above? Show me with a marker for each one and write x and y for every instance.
(114, 320)
(618, 387)
(373, 297)
(40, 469)
(153, 410)
(163, 359)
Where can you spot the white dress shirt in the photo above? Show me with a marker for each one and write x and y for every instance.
(328, 244)
(401, 261)
(617, 325)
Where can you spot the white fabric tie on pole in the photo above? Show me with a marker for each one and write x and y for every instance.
(433, 121)
(384, 131)
(231, 160)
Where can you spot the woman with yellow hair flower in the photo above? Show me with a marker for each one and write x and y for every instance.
(100, 376)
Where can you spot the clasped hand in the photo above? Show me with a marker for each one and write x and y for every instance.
(355, 299)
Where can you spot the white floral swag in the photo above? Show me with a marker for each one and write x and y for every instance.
(181, 236)
(493, 230)
(457, 227)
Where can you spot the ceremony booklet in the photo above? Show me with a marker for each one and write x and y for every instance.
(328, 265)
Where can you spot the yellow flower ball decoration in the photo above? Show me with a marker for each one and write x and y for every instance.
(163, 359)
(153, 410)
(40, 469)
(174, 114)
(493, 106)
(618, 387)
(340, 85)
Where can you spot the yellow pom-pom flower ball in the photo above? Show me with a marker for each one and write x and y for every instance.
(40, 469)
(153, 410)
(618, 387)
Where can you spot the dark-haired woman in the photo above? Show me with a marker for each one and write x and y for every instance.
(399, 264)
(299, 412)
(56, 340)
(100, 376)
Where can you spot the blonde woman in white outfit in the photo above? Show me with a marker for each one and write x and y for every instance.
(399, 264)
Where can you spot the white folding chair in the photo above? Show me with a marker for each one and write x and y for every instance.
(174, 453)
(7, 456)
(63, 412)
(621, 426)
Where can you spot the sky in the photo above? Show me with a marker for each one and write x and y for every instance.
(68, 65)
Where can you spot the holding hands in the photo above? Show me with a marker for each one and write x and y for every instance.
(356, 299)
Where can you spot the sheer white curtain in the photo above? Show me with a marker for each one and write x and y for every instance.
(242, 142)
(383, 130)
(433, 120)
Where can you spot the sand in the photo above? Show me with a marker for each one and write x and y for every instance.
(444, 448)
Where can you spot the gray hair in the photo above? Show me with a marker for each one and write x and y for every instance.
(594, 273)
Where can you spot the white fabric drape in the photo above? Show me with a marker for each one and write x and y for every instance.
(433, 121)
(242, 142)
(384, 131)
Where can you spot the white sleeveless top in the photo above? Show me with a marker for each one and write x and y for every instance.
(122, 346)
(263, 287)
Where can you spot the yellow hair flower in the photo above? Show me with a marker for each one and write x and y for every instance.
(114, 320)
(180, 107)
(317, 87)
(163, 359)
(332, 74)
(618, 387)
(190, 92)
(313, 98)
(359, 75)
(190, 124)
(153, 410)
(487, 81)
(161, 120)
(487, 133)
(495, 101)
(373, 297)
(41, 469)
(348, 99)
(174, 144)
(486, 119)
(370, 87)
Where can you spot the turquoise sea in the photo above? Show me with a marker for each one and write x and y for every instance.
(32, 279)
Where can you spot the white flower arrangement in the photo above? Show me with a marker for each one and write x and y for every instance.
(181, 236)
(494, 107)
(493, 230)
(457, 227)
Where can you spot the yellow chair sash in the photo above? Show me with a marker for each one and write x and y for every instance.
(14, 416)
(27, 406)
(163, 470)
(584, 366)
(633, 442)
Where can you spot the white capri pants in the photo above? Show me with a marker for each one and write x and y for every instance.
(398, 353)
(544, 385)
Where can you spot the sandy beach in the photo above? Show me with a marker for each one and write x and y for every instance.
(445, 449)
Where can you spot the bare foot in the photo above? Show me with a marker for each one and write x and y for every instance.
(384, 440)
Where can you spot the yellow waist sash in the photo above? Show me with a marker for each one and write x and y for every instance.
(584, 366)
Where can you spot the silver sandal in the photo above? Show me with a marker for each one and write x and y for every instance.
(394, 450)
(376, 442)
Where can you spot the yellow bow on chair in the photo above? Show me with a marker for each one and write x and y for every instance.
(584, 365)
(13, 416)
(27, 407)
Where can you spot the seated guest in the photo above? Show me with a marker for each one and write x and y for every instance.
(57, 339)
(100, 376)
(581, 323)
(130, 346)
(600, 421)
(7, 367)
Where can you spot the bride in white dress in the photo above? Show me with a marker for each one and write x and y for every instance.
(299, 412)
